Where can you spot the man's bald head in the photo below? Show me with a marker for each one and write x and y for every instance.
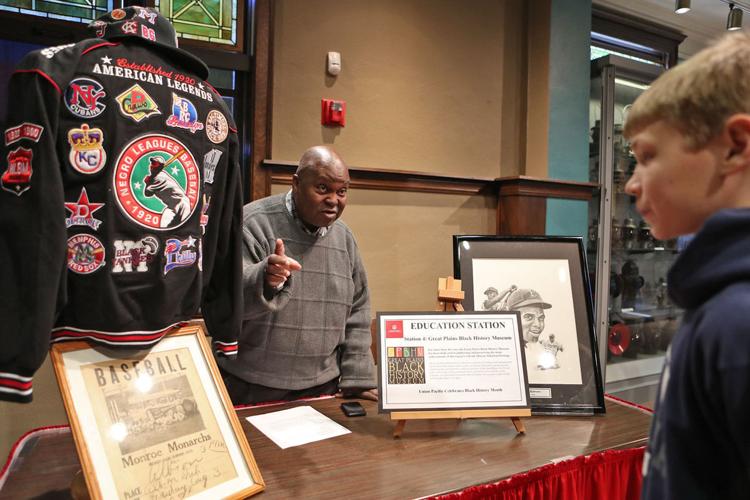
(321, 157)
(319, 186)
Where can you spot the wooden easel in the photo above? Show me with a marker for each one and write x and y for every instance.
(450, 296)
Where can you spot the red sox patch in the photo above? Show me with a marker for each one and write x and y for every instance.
(85, 254)
(157, 182)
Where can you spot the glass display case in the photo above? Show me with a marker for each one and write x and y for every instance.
(634, 316)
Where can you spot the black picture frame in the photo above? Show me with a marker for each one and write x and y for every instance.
(536, 266)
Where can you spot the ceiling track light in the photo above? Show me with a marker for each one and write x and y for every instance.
(681, 6)
(734, 19)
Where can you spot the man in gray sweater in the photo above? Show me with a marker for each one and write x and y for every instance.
(306, 329)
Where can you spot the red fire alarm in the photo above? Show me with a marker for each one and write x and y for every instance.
(333, 112)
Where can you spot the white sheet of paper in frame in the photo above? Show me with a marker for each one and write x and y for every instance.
(296, 426)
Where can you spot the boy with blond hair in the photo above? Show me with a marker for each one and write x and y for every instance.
(690, 133)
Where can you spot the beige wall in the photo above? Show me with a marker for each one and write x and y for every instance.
(430, 85)
(405, 240)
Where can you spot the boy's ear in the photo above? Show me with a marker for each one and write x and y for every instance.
(737, 130)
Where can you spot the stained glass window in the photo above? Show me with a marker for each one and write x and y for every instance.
(208, 20)
(82, 11)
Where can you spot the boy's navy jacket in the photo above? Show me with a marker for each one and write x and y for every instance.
(700, 444)
(121, 202)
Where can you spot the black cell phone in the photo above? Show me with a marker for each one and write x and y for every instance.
(353, 409)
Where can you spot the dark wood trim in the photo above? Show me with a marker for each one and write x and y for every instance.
(392, 180)
(260, 178)
(546, 188)
(522, 202)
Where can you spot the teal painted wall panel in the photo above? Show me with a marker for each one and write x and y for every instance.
(567, 217)
(570, 34)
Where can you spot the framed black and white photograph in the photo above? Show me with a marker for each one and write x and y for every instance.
(156, 422)
(545, 280)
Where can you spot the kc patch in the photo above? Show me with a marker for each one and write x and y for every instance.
(179, 253)
(17, 178)
(136, 104)
(217, 127)
(157, 182)
(30, 131)
(134, 256)
(87, 153)
(130, 27)
(85, 254)
(184, 115)
(210, 160)
(83, 97)
(82, 212)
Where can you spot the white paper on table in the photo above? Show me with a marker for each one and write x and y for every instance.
(296, 426)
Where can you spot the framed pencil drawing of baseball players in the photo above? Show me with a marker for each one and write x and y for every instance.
(545, 279)
(154, 422)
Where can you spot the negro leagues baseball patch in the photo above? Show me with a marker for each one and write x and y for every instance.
(157, 182)
(406, 365)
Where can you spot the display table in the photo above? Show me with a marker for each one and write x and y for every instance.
(431, 457)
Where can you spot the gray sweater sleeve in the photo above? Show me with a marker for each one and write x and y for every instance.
(357, 366)
(258, 299)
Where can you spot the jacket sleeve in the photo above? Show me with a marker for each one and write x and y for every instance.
(357, 367)
(32, 215)
(222, 298)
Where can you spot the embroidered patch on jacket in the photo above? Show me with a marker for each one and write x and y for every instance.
(134, 256)
(49, 52)
(82, 212)
(30, 131)
(130, 27)
(136, 104)
(84, 97)
(87, 153)
(210, 161)
(204, 213)
(85, 254)
(99, 26)
(200, 255)
(179, 253)
(146, 13)
(157, 182)
(17, 178)
(217, 127)
(184, 115)
(118, 14)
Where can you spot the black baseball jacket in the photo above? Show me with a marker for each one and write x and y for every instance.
(121, 205)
